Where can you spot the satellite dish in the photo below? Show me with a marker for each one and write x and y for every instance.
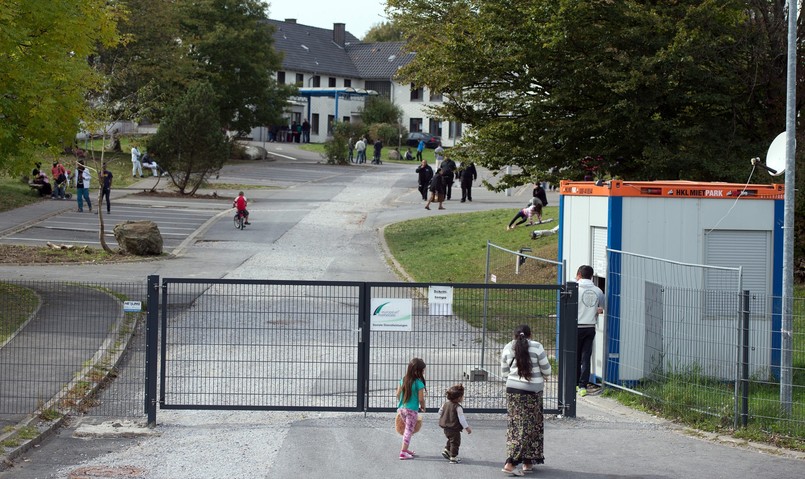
(775, 157)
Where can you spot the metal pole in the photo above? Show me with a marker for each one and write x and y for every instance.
(786, 328)
(745, 358)
(151, 345)
(486, 303)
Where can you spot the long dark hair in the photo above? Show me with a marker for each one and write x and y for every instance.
(521, 343)
(416, 370)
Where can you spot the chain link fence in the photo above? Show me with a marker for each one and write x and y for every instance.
(687, 337)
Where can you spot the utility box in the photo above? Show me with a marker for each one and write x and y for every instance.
(473, 374)
(673, 223)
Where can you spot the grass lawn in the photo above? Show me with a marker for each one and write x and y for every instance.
(18, 305)
(452, 247)
(428, 154)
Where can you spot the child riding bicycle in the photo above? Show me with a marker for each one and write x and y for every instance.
(240, 204)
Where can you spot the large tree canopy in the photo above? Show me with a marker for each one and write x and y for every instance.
(655, 90)
(44, 75)
(172, 44)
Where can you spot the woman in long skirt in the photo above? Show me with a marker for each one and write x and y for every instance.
(525, 365)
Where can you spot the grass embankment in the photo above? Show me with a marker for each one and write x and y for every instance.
(18, 305)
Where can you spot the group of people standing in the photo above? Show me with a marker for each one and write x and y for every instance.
(525, 366)
(440, 183)
(360, 147)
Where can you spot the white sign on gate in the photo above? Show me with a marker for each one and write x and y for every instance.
(440, 300)
(391, 314)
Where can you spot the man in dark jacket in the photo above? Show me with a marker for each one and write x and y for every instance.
(378, 147)
(449, 172)
(467, 176)
(425, 175)
(539, 193)
(436, 190)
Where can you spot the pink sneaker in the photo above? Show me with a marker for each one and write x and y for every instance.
(404, 455)
(410, 452)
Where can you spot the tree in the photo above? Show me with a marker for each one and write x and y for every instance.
(377, 109)
(170, 45)
(44, 74)
(384, 32)
(149, 69)
(657, 90)
(231, 44)
(383, 120)
(190, 143)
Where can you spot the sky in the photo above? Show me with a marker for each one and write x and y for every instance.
(358, 15)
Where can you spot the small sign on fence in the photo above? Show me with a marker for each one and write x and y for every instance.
(391, 314)
(440, 300)
(132, 306)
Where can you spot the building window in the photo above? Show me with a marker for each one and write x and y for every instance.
(346, 119)
(455, 130)
(314, 123)
(383, 88)
(316, 81)
(300, 79)
(331, 82)
(416, 93)
(415, 125)
(435, 96)
(435, 127)
(347, 83)
(281, 78)
(330, 121)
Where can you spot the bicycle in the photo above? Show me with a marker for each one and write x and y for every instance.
(240, 221)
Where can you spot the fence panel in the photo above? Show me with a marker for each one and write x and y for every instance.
(461, 344)
(70, 347)
(259, 345)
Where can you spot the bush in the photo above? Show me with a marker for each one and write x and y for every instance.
(335, 148)
(389, 134)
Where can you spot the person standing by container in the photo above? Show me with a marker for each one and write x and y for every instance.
(524, 364)
(591, 304)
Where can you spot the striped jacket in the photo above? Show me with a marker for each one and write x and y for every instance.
(540, 367)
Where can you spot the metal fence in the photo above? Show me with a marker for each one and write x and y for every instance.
(124, 349)
(64, 346)
(689, 338)
(250, 344)
(521, 267)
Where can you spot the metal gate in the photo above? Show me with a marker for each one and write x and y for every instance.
(318, 345)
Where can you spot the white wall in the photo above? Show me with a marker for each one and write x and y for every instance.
(673, 229)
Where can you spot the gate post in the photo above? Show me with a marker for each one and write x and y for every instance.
(151, 345)
(364, 301)
(568, 312)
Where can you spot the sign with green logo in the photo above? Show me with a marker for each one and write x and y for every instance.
(391, 314)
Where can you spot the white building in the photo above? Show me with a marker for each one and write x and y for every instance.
(335, 60)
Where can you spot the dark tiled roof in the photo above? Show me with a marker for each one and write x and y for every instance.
(378, 61)
(312, 50)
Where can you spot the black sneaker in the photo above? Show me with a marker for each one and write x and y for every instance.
(454, 460)
(247, 223)
(446, 454)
